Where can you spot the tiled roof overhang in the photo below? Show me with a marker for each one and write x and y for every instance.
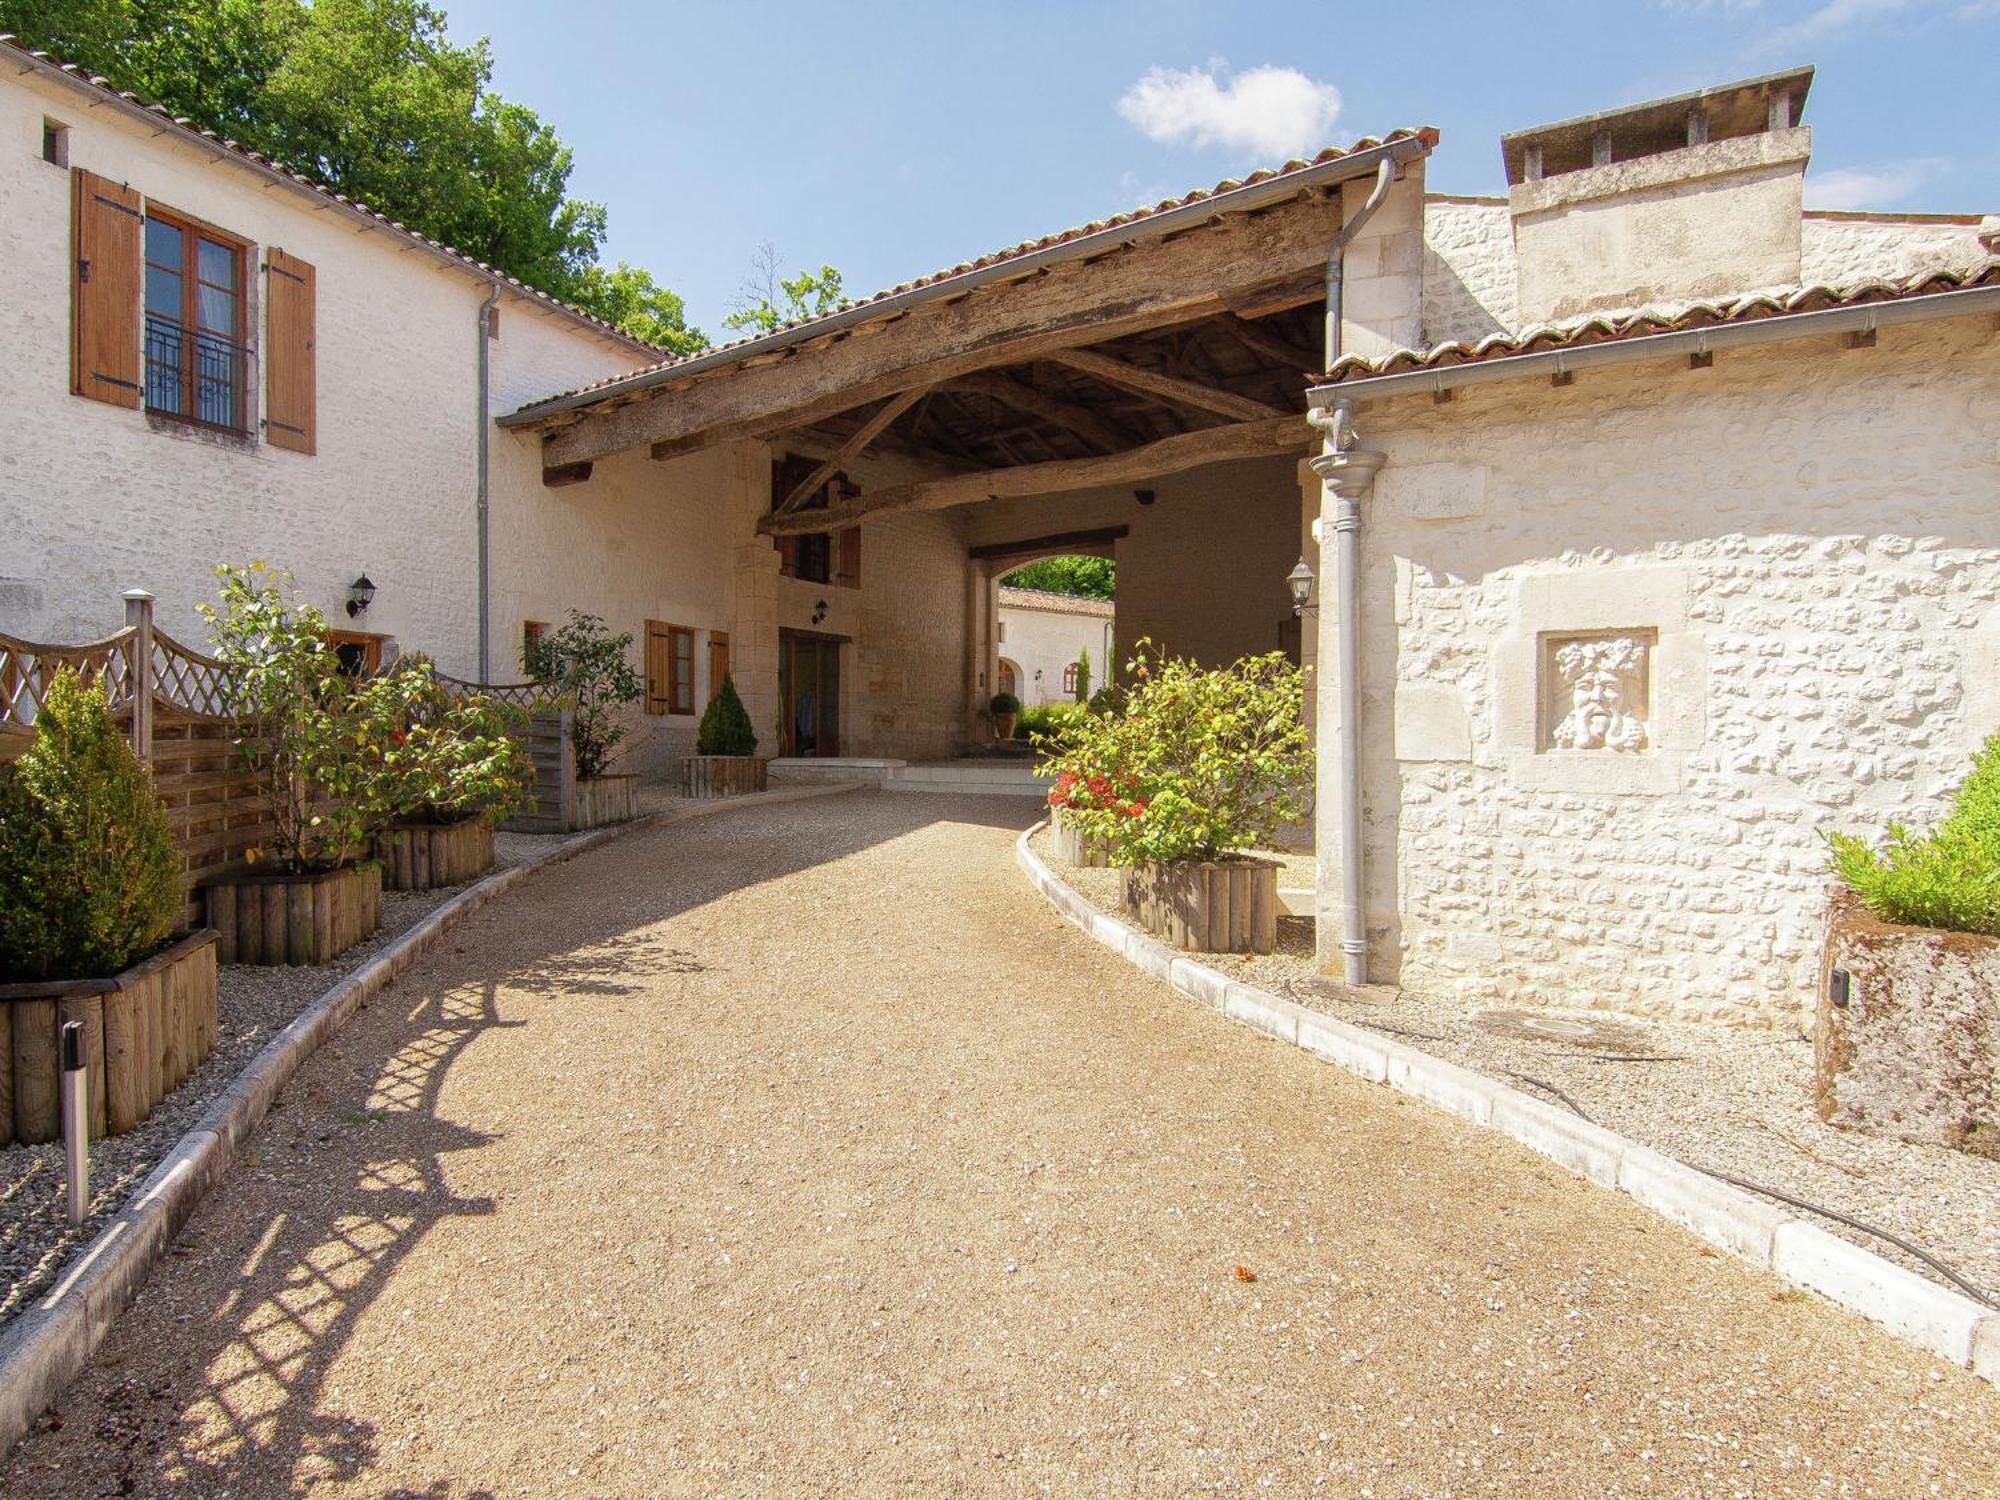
(1259, 190)
(1702, 327)
(156, 118)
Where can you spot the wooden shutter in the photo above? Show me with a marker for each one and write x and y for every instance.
(106, 219)
(848, 574)
(659, 659)
(718, 660)
(289, 393)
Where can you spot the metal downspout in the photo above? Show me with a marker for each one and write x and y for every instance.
(1337, 425)
(485, 421)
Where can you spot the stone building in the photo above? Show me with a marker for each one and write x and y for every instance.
(1679, 545)
(1670, 505)
(1050, 644)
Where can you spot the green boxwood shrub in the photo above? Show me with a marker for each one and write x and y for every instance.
(1048, 721)
(1949, 878)
(725, 724)
(89, 878)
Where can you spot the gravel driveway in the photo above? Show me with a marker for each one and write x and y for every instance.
(804, 1151)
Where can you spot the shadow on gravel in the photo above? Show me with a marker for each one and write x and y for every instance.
(347, 1175)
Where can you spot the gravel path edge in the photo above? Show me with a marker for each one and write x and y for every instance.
(1941, 1321)
(47, 1344)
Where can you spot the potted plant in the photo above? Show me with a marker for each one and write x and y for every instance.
(453, 767)
(90, 893)
(1003, 707)
(1178, 785)
(592, 669)
(1907, 1041)
(312, 739)
(725, 762)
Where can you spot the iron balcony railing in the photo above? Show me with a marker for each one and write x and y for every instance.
(195, 375)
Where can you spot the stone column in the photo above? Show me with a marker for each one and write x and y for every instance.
(1346, 477)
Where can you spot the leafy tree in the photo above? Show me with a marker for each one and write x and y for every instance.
(592, 667)
(725, 724)
(371, 98)
(89, 878)
(768, 300)
(1084, 577)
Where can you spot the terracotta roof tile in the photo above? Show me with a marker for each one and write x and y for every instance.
(221, 142)
(1598, 328)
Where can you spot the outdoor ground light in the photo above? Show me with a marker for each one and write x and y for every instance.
(361, 593)
(1300, 582)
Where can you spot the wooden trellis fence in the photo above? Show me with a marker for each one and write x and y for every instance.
(179, 707)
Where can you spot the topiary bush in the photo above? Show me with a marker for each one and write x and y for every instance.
(1948, 879)
(725, 724)
(89, 877)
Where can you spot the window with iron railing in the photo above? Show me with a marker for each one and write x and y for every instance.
(196, 362)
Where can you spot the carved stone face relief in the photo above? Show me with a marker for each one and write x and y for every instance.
(1595, 691)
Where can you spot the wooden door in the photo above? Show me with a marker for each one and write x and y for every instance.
(809, 687)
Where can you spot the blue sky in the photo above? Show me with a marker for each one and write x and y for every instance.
(893, 139)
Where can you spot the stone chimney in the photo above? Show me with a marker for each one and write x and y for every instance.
(1697, 196)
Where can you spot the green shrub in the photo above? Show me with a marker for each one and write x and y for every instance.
(591, 667)
(1198, 763)
(1949, 879)
(1004, 703)
(89, 878)
(447, 760)
(312, 737)
(725, 724)
(1083, 677)
(1049, 722)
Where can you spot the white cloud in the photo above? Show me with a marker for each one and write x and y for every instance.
(1268, 112)
(1857, 187)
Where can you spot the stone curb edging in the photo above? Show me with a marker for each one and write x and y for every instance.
(1936, 1319)
(48, 1342)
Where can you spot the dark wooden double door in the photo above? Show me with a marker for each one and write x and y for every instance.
(809, 687)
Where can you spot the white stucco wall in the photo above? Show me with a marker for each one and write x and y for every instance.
(1042, 635)
(95, 499)
(1840, 248)
(1813, 532)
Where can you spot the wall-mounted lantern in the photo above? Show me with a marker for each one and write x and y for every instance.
(1300, 582)
(360, 594)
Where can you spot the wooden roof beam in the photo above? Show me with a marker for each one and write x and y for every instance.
(852, 449)
(1017, 395)
(1174, 455)
(1169, 388)
(1069, 305)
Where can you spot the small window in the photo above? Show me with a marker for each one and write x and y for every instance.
(359, 654)
(808, 556)
(1070, 673)
(680, 673)
(55, 143)
(195, 350)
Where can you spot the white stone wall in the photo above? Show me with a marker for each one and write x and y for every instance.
(95, 499)
(1469, 274)
(1042, 639)
(1836, 249)
(1811, 534)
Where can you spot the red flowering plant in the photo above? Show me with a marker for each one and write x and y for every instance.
(1195, 763)
(447, 758)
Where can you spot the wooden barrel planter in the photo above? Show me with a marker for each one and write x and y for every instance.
(144, 1031)
(724, 775)
(606, 799)
(424, 856)
(294, 919)
(1228, 905)
(1072, 847)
